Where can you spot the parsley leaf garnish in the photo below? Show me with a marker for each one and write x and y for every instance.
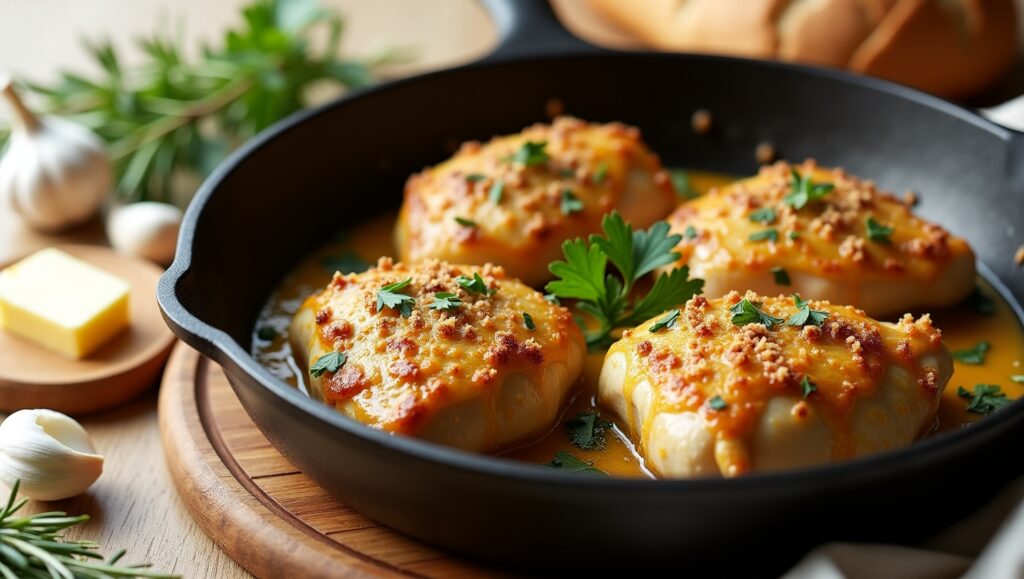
(475, 284)
(807, 387)
(803, 191)
(876, 231)
(986, 398)
(445, 301)
(606, 296)
(587, 430)
(531, 153)
(746, 312)
(388, 297)
(717, 403)
(690, 232)
(781, 275)
(474, 177)
(528, 322)
(764, 215)
(465, 222)
(805, 315)
(567, 462)
(766, 235)
(600, 173)
(570, 203)
(980, 302)
(667, 322)
(681, 183)
(974, 356)
(347, 262)
(329, 362)
(497, 192)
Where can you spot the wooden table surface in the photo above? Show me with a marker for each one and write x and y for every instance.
(134, 505)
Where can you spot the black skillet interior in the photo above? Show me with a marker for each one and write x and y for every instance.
(287, 191)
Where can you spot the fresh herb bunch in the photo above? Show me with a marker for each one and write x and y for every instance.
(608, 296)
(34, 546)
(172, 120)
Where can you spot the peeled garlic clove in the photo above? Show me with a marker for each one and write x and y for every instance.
(55, 173)
(49, 452)
(147, 229)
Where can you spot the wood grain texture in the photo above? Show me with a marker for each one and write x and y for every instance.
(263, 512)
(32, 376)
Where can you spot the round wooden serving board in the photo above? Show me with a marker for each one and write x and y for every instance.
(263, 512)
(32, 376)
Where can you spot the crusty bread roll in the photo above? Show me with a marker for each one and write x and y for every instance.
(953, 48)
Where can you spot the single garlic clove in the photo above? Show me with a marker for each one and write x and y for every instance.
(147, 229)
(49, 452)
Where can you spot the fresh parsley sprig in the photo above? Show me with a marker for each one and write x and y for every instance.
(747, 312)
(974, 356)
(587, 430)
(986, 398)
(804, 315)
(584, 276)
(567, 462)
(804, 191)
(389, 297)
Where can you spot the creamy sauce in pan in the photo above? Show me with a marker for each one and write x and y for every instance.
(962, 328)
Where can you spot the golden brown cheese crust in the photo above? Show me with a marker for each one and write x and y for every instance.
(851, 359)
(823, 247)
(604, 167)
(474, 376)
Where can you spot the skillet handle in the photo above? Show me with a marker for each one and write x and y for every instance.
(530, 28)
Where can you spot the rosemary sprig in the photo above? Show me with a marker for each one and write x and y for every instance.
(170, 120)
(34, 546)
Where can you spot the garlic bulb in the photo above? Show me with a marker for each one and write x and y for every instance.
(49, 452)
(55, 173)
(147, 229)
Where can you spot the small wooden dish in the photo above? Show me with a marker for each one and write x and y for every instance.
(32, 376)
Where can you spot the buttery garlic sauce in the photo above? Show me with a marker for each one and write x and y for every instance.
(962, 328)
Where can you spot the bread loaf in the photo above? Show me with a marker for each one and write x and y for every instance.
(953, 48)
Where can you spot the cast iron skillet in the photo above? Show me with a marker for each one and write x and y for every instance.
(291, 187)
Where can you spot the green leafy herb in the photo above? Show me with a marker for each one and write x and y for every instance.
(497, 192)
(980, 302)
(34, 546)
(690, 232)
(465, 222)
(528, 322)
(445, 301)
(681, 183)
(781, 275)
(329, 362)
(570, 203)
(587, 430)
(986, 398)
(565, 461)
(766, 235)
(1018, 378)
(717, 403)
(475, 284)
(974, 356)
(805, 315)
(803, 191)
(531, 153)
(168, 114)
(764, 215)
(876, 231)
(474, 177)
(606, 296)
(600, 173)
(666, 322)
(794, 235)
(266, 333)
(747, 312)
(388, 297)
(346, 263)
(807, 387)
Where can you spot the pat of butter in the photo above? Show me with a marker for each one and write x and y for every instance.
(62, 303)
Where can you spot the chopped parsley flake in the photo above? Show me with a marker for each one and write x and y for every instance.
(445, 301)
(986, 398)
(807, 387)
(803, 191)
(747, 312)
(329, 362)
(805, 315)
(528, 322)
(766, 235)
(876, 231)
(764, 215)
(475, 284)
(565, 461)
(690, 232)
(388, 297)
(681, 183)
(974, 356)
(600, 173)
(717, 403)
(465, 222)
(570, 203)
(794, 235)
(474, 177)
(781, 276)
(531, 153)
(497, 192)
(587, 430)
(666, 322)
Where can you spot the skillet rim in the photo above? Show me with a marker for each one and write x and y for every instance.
(222, 348)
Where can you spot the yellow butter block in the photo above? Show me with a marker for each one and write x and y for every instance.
(62, 303)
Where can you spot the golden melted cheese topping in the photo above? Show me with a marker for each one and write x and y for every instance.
(402, 371)
(483, 206)
(728, 373)
(826, 239)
